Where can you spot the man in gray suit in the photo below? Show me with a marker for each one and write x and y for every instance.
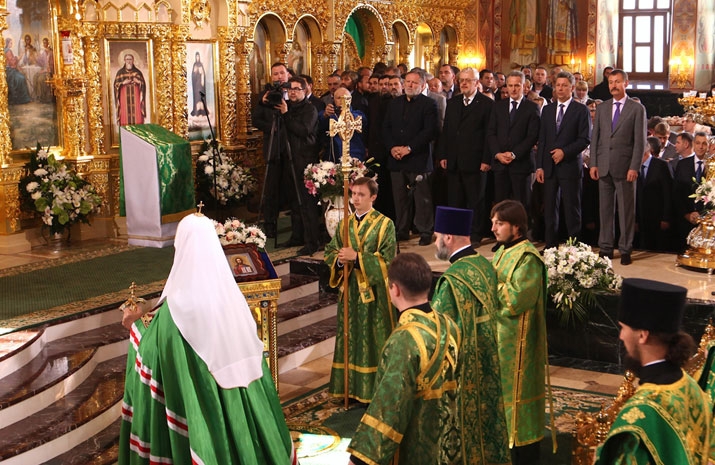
(617, 147)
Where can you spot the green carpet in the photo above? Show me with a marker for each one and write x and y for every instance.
(62, 284)
(83, 280)
(321, 428)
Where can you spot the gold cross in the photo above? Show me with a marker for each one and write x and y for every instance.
(199, 206)
(345, 126)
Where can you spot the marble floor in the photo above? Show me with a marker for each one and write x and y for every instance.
(316, 373)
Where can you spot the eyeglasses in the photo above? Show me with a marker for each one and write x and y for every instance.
(295, 89)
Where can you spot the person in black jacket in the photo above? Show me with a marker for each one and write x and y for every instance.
(410, 125)
(601, 91)
(513, 130)
(564, 133)
(654, 201)
(266, 117)
(462, 149)
(295, 139)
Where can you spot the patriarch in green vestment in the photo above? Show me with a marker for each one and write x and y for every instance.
(413, 417)
(521, 324)
(371, 317)
(467, 293)
(669, 418)
(197, 388)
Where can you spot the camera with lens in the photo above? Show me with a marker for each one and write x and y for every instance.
(275, 91)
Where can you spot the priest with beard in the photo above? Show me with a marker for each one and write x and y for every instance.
(669, 418)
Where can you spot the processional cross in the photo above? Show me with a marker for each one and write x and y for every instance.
(345, 127)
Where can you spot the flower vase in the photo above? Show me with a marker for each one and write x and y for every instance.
(58, 240)
(333, 214)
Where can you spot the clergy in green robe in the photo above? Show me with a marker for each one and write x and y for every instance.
(521, 324)
(197, 388)
(371, 317)
(669, 418)
(413, 415)
(466, 292)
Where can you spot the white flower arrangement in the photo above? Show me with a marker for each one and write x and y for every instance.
(705, 193)
(233, 182)
(235, 231)
(56, 192)
(575, 273)
(325, 179)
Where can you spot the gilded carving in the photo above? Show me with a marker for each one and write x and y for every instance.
(227, 66)
(200, 12)
(89, 34)
(178, 60)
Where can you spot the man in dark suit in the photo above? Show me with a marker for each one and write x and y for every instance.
(513, 130)
(565, 132)
(654, 209)
(601, 91)
(617, 147)
(691, 166)
(462, 151)
(540, 85)
(410, 125)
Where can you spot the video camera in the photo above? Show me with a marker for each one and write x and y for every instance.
(275, 92)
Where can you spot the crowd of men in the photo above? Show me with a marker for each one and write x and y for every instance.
(469, 139)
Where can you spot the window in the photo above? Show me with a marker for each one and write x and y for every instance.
(644, 38)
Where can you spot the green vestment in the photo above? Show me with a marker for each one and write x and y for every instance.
(413, 414)
(371, 316)
(667, 424)
(466, 292)
(173, 410)
(521, 324)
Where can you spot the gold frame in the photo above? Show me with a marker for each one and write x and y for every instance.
(122, 45)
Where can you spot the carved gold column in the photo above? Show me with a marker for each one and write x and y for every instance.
(10, 199)
(5, 141)
(70, 88)
(319, 84)
(332, 49)
(178, 58)
(243, 90)
(227, 89)
(163, 75)
(90, 36)
(405, 55)
(99, 174)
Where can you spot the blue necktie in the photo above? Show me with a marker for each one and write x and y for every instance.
(560, 117)
(699, 171)
(616, 115)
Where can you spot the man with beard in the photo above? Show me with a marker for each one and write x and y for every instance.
(377, 107)
(467, 293)
(410, 127)
(130, 93)
(668, 419)
(521, 326)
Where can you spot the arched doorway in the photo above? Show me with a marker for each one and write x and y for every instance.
(422, 51)
(268, 39)
(363, 38)
(400, 51)
(301, 58)
(447, 46)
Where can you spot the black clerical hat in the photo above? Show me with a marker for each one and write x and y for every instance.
(652, 305)
(454, 221)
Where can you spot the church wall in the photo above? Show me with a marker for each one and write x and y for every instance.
(225, 31)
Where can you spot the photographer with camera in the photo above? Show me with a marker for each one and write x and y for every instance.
(266, 117)
(294, 134)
